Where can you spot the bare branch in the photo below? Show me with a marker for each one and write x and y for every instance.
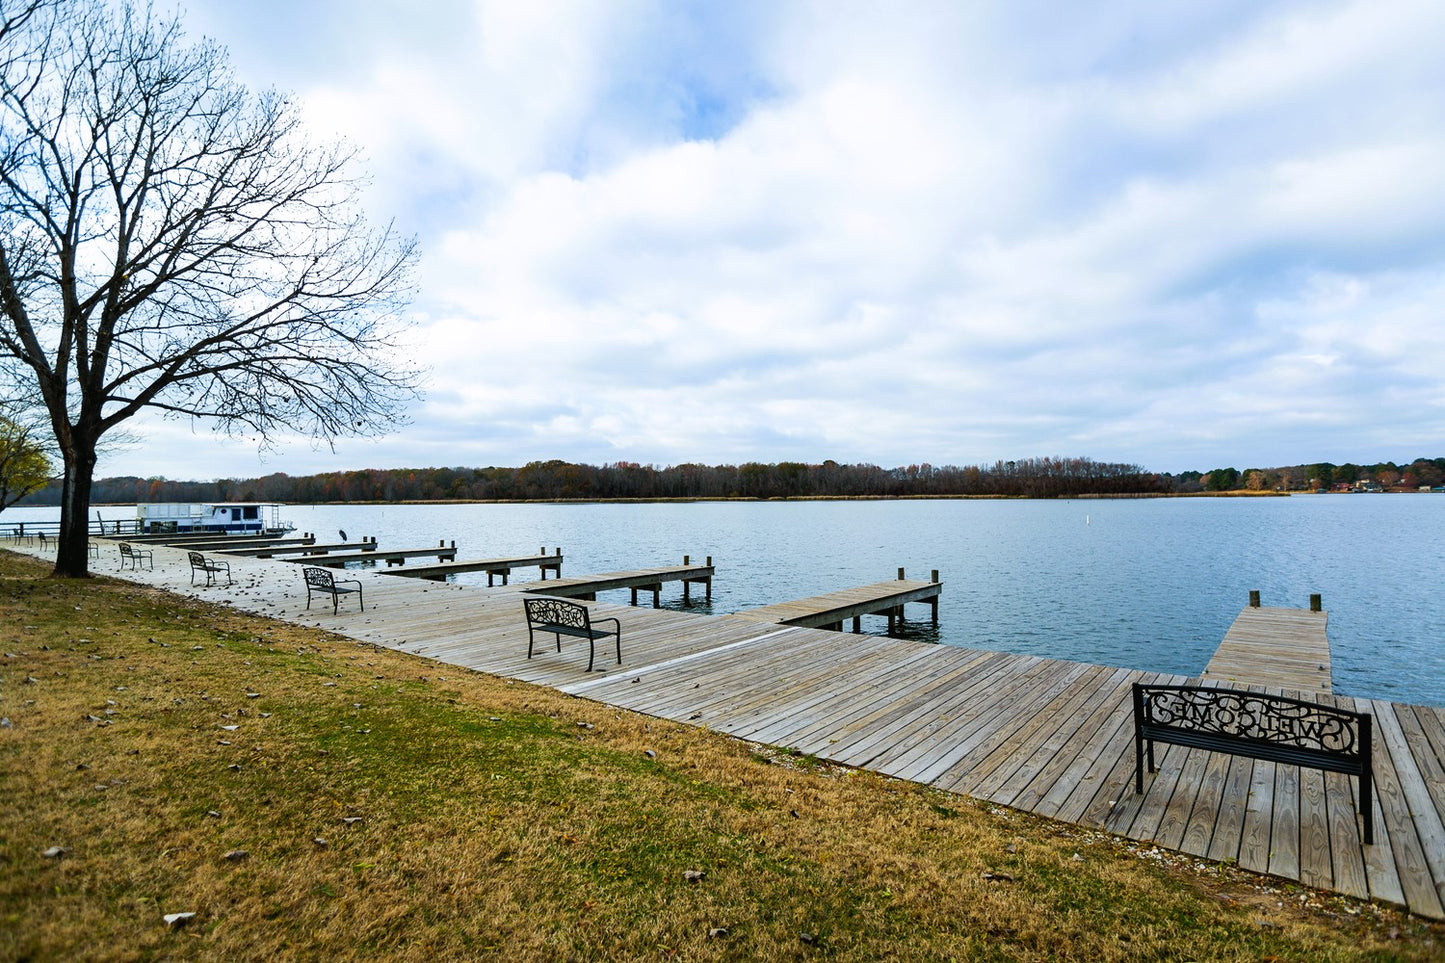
(170, 240)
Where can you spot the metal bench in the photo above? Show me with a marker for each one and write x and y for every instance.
(1268, 727)
(130, 554)
(564, 617)
(320, 581)
(211, 567)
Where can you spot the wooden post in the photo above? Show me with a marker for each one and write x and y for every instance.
(935, 576)
(900, 575)
(857, 624)
(687, 560)
(1254, 598)
(1316, 603)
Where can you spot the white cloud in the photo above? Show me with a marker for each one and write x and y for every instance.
(939, 232)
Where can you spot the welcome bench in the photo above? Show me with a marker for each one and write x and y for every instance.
(211, 567)
(1268, 727)
(320, 581)
(564, 617)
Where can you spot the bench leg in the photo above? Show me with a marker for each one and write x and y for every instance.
(1366, 808)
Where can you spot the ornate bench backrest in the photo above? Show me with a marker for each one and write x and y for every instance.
(318, 577)
(197, 560)
(1267, 719)
(557, 612)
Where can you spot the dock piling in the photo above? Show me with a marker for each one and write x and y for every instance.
(1254, 598)
(1316, 603)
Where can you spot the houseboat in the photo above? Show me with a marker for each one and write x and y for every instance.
(222, 518)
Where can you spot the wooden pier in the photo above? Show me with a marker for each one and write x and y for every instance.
(830, 611)
(1284, 648)
(393, 556)
(638, 580)
(492, 566)
(277, 551)
(1045, 736)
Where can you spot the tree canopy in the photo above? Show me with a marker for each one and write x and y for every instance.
(171, 241)
(24, 465)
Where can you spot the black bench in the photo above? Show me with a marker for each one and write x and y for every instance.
(320, 581)
(1268, 727)
(129, 553)
(564, 617)
(211, 567)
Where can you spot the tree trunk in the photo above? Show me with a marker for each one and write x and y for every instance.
(72, 555)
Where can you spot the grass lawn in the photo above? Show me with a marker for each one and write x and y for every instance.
(307, 796)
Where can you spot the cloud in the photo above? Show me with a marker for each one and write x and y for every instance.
(686, 232)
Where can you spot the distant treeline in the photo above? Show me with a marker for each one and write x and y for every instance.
(563, 481)
(1321, 475)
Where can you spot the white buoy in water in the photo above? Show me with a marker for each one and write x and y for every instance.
(1086, 519)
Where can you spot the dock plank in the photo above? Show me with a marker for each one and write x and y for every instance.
(1288, 648)
(832, 608)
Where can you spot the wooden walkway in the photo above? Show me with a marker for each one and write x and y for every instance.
(492, 566)
(638, 580)
(276, 551)
(830, 611)
(395, 556)
(1285, 648)
(1045, 736)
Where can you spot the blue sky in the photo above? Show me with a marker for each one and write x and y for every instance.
(1184, 235)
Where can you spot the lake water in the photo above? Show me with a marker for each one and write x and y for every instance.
(1150, 583)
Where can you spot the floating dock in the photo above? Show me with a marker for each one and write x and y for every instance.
(1284, 648)
(393, 556)
(492, 566)
(830, 611)
(638, 580)
(276, 551)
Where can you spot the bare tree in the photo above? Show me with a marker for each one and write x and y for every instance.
(171, 241)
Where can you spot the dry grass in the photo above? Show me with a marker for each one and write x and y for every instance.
(391, 807)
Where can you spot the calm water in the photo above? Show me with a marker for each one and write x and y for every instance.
(1149, 584)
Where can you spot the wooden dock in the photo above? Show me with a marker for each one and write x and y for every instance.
(276, 551)
(1040, 735)
(1275, 647)
(638, 580)
(830, 611)
(393, 556)
(492, 566)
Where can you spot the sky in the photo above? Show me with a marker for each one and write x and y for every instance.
(1182, 235)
